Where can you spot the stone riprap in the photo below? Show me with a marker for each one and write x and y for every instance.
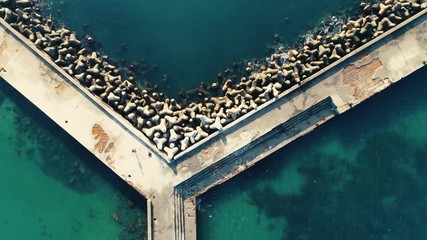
(172, 127)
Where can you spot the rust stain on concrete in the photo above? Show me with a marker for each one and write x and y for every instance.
(363, 56)
(103, 145)
(361, 79)
(109, 147)
(60, 88)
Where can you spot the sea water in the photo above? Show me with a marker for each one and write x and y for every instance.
(190, 41)
(362, 175)
(359, 176)
(53, 188)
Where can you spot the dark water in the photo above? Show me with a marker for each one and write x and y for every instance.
(362, 175)
(191, 41)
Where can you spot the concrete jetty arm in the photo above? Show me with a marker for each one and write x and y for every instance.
(340, 87)
(91, 122)
(366, 71)
(172, 188)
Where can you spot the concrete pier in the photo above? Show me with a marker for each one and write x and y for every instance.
(172, 188)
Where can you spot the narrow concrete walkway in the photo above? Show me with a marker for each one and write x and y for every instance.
(171, 188)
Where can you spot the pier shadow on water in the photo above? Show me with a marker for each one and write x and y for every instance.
(87, 196)
(362, 175)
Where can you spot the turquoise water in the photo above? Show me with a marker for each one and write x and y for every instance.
(359, 176)
(52, 188)
(362, 175)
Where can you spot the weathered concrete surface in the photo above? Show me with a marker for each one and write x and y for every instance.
(347, 83)
(171, 188)
(94, 124)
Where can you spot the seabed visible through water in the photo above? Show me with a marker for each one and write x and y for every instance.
(359, 176)
(53, 188)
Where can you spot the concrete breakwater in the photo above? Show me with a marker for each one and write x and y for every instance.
(173, 128)
(347, 82)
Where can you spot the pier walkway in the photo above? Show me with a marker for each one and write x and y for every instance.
(171, 188)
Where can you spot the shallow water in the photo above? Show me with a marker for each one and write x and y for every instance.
(361, 175)
(52, 188)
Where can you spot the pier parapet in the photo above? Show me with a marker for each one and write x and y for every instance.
(173, 129)
(172, 187)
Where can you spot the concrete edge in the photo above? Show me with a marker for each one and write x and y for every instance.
(126, 125)
(328, 68)
(107, 109)
(149, 220)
